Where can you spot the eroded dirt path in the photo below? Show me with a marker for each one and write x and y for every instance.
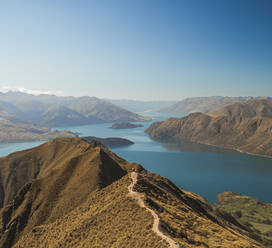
(139, 198)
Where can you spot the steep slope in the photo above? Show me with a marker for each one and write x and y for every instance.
(44, 183)
(247, 128)
(71, 193)
(112, 218)
(202, 104)
(21, 167)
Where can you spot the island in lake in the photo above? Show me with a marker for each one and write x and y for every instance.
(125, 125)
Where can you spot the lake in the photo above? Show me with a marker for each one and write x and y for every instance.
(202, 169)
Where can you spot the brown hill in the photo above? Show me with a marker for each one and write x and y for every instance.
(41, 184)
(71, 193)
(245, 127)
(249, 109)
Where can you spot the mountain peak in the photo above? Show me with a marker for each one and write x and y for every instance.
(77, 194)
(60, 175)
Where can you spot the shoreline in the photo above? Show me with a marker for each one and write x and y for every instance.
(216, 146)
(235, 149)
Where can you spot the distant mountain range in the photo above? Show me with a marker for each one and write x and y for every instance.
(142, 106)
(71, 193)
(246, 127)
(53, 111)
(204, 104)
(249, 109)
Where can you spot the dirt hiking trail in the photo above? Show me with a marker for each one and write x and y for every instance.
(139, 198)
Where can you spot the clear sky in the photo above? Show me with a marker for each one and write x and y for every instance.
(138, 49)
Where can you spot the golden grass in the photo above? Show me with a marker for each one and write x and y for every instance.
(183, 219)
(80, 199)
(108, 219)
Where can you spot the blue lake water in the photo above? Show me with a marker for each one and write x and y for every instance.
(202, 169)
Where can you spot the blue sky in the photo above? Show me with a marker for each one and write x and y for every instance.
(138, 49)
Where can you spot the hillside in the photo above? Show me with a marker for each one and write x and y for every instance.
(202, 104)
(71, 193)
(252, 212)
(249, 109)
(53, 111)
(41, 184)
(9, 112)
(246, 128)
(19, 132)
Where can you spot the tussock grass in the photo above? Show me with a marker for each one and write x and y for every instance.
(108, 219)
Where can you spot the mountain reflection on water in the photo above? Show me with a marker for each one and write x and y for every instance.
(187, 146)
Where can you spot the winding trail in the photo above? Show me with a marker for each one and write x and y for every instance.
(139, 198)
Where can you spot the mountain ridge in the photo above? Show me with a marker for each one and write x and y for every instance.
(249, 133)
(53, 111)
(205, 104)
(249, 109)
(72, 193)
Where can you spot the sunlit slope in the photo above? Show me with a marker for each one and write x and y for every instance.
(241, 126)
(71, 193)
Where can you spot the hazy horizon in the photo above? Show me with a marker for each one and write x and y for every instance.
(38, 92)
(141, 50)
